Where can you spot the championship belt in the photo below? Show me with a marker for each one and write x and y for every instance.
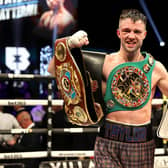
(162, 130)
(74, 84)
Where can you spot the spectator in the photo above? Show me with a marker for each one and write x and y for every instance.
(8, 122)
(31, 141)
(28, 142)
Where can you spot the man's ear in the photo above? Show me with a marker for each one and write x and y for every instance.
(118, 33)
(145, 34)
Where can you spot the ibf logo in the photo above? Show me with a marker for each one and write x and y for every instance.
(17, 59)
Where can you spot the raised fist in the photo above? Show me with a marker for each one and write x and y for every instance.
(78, 39)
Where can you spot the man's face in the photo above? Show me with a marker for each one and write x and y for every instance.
(131, 34)
(23, 119)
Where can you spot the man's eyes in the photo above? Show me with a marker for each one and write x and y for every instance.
(135, 31)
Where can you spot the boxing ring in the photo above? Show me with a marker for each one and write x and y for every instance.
(49, 153)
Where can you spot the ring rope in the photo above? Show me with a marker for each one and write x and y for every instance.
(9, 76)
(34, 102)
(54, 130)
(158, 101)
(49, 120)
(30, 102)
(43, 154)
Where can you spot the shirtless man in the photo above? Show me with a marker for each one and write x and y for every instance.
(58, 16)
(130, 77)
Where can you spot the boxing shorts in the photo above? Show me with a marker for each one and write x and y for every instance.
(76, 86)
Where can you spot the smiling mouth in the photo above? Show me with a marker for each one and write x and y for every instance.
(131, 44)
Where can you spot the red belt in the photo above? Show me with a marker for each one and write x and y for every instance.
(73, 82)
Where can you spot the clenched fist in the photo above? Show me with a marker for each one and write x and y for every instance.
(78, 39)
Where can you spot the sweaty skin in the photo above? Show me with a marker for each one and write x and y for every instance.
(132, 35)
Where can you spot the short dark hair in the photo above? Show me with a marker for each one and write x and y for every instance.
(133, 14)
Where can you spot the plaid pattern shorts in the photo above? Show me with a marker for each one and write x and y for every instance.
(116, 154)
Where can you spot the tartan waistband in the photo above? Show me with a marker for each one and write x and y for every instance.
(126, 133)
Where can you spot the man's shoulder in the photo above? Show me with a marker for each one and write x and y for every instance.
(112, 57)
(159, 65)
(159, 69)
(112, 54)
(8, 115)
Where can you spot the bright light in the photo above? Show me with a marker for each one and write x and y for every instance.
(144, 6)
(162, 43)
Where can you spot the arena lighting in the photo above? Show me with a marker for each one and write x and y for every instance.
(144, 6)
(162, 43)
(17, 25)
(54, 35)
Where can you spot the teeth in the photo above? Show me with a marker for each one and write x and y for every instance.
(131, 42)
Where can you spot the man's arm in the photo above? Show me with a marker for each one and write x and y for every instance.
(163, 81)
(77, 40)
